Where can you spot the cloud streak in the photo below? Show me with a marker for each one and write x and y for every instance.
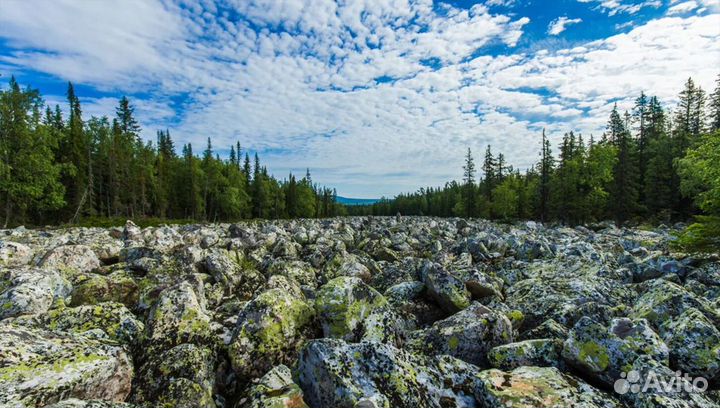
(378, 97)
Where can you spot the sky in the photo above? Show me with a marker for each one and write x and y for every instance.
(376, 97)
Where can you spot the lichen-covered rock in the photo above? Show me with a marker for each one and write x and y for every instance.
(538, 352)
(532, 387)
(270, 330)
(557, 291)
(547, 329)
(114, 319)
(299, 271)
(448, 291)
(30, 291)
(70, 259)
(39, 367)
(119, 286)
(76, 403)
(343, 305)
(179, 316)
(276, 389)
(644, 388)
(14, 253)
(694, 344)
(225, 267)
(602, 353)
(182, 376)
(335, 374)
(468, 335)
(663, 300)
(479, 284)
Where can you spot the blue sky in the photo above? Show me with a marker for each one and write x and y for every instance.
(377, 97)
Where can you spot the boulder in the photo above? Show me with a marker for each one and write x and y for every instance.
(602, 353)
(31, 291)
(119, 286)
(70, 259)
(335, 374)
(179, 316)
(38, 368)
(448, 291)
(642, 387)
(531, 387)
(270, 330)
(181, 376)
(276, 389)
(14, 253)
(694, 344)
(538, 352)
(468, 335)
(344, 304)
(113, 319)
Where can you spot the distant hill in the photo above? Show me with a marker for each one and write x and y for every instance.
(356, 201)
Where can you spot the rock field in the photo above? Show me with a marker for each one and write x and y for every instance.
(407, 312)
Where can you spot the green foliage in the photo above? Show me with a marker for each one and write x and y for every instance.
(700, 175)
(100, 172)
(29, 177)
(633, 172)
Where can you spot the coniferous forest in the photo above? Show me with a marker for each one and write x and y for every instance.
(66, 168)
(652, 164)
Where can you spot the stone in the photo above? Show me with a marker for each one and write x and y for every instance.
(114, 319)
(531, 387)
(448, 291)
(270, 331)
(70, 259)
(602, 353)
(468, 335)
(343, 305)
(31, 291)
(335, 374)
(276, 389)
(537, 352)
(694, 344)
(40, 368)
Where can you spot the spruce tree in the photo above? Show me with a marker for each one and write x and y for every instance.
(546, 168)
(29, 177)
(714, 107)
(489, 169)
(624, 191)
(469, 202)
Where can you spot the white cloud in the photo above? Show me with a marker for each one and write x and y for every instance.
(559, 25)
(684, 7)
(614, 7)
(303, 80)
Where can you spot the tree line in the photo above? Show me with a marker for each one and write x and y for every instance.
(58, 168)
(650, 164)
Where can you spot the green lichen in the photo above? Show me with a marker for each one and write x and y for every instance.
(594, 356)
(453, 343)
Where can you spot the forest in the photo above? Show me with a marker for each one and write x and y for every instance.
(650, 165)
(58, 170)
